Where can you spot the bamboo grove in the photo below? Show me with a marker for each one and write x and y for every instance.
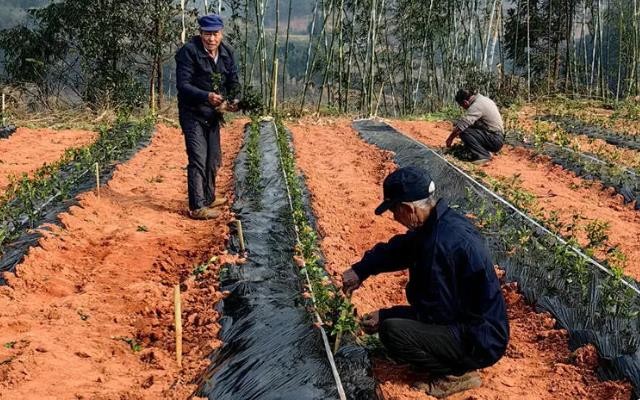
(391, 57)
(404, 56)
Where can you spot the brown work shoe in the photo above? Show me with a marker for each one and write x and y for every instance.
(221, 201)
(444, 387)
(204, 213)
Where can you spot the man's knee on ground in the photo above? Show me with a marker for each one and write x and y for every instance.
(392, 333)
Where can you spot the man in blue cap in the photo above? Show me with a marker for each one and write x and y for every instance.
(456, 321)
(206, 76)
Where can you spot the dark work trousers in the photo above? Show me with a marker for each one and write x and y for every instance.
(205, 156)
(429, 348)
(480, 142)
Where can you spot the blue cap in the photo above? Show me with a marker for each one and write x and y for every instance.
(405, 185)
(210, 23)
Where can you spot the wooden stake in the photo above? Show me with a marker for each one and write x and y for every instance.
(336, 345)
(98, 180)
(4, 107)
(178, 324)
(240, 234)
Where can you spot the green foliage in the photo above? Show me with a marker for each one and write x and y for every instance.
(200, 269)
(597, 233)
(618, 298)
(132, 342)
(251, 101)
(102, 55)
(9, 345)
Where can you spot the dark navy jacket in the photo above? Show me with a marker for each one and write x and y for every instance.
(451, 281)
(194, 70)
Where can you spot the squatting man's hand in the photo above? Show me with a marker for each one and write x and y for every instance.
(350, 281)
(370, 322)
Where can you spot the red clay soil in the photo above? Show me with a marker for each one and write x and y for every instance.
(28, 149)
(344, 176)
(106, 276)
(555, 189)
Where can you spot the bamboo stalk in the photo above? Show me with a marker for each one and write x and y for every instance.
(274, 86)
(178, 324)
(183, 35)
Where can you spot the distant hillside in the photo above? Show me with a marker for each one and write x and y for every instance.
(13, 12)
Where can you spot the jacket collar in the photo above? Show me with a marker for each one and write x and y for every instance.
(442, 206)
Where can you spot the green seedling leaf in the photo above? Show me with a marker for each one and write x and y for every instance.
(10, 345)
(142, 228)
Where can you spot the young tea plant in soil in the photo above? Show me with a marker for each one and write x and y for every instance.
(335, 310)
(253, 155)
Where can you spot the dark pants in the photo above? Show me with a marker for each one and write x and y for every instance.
(429, 348)
(480, 142)
(205, 156)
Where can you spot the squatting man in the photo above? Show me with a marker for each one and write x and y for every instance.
(456, 320)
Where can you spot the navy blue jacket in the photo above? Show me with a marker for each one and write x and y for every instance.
(451, 281)
(194, 75)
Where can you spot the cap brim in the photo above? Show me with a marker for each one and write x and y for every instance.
(211, 29)
(384, 206)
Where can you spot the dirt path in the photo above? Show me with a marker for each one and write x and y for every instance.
(28, 149)
(107, 276)
(555, 189)
(344, 176)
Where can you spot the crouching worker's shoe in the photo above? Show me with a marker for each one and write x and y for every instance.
(204, 213)
(219, 202)
(480, 161)
(448, 385)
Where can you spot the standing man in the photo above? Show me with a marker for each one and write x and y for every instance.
(481, 129)
(206, 75)
(456, 321)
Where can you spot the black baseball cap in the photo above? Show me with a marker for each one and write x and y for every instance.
(405, 185)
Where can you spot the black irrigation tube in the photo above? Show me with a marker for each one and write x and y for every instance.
(542, 267)
(6, 131)
(61, 187)
(271, 349)
(578, 127)
(625, 181)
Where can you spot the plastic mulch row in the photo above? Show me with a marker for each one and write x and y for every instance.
(544, 268)
(578, 127)
(271, 348)
(6, 131)
(46, 210)
(625, 181)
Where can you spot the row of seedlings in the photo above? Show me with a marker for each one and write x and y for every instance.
(334, 312)
(29, 201)
(624, 181)
(593, 303)
(578, 127)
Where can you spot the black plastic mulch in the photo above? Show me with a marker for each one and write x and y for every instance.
(271, 349)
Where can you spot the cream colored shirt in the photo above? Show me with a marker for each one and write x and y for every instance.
(482, 113)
